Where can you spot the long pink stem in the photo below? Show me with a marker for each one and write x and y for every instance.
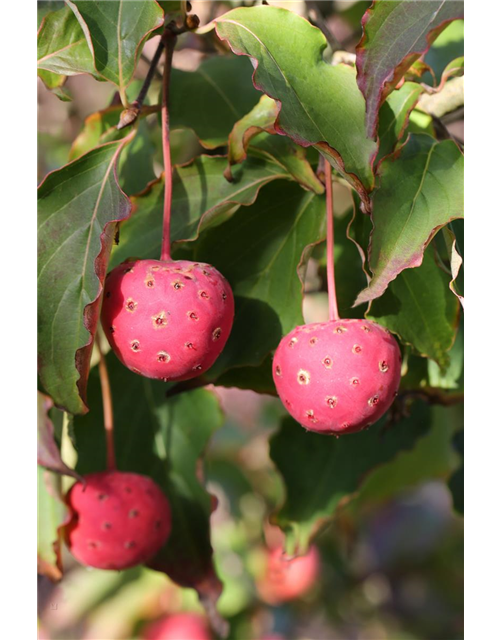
(170, 40)
(330, 245)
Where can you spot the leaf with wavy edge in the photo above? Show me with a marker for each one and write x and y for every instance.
(395, 34)
(456, 261)
(79, 206)
(321, 105)
(115, 32)
(201, 197)
(52, 514)
(419, 308)
(420, 190)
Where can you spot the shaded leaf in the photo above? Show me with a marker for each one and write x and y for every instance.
(453, 376)
(262, 250)
(98, 128)
(49, 455)
(259, 378)
(223, 85)
(163, 439)
(78, 206)
(332, 469)
(410, 26)
(394, 117)
(201, 197)
(456, 482)
(51, 514)
(320, 105)
(420, 309)
(290, 156)
(448, 47)
(419, 191)
(62, 48)
(432, 457)
(115, 32)
(279, 149)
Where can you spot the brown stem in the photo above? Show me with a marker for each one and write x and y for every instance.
(107, 404)
(169, 39)
(330, 245)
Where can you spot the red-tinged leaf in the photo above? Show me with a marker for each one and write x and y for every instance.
(79, 206)
(115, 32)
(49, 455)
(320, 104)
(419, 191)
(395, 34)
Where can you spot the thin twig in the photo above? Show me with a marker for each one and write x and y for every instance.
(107, 404)
(170, 39)
(330, 245)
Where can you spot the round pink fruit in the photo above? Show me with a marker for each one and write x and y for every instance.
(337, 377)
(181, 626)
(167, 320)
(289, 578)
(118, 520)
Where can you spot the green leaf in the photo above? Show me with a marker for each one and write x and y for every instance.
(163, 439)
(453, 376)
(394, 116)
(98, 128)
(321, 105)
(432, 457)
(115, 32)
(201, 197)
(419, 191)
(419, 307)
(62, 48)
(223, 85)
(262, 251)
(253, 129)
(319, 472)
(410, 26)
(51, 513)
(78, 207)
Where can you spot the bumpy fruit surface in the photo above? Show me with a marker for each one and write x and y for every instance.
(181, 626)
(289, 578)
(337, 377)
(118, 520)
(167, 320)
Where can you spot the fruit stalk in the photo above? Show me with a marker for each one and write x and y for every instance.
(330, 245)
(107, 404)
(169, 39)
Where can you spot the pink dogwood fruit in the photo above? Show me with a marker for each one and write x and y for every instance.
(118, 520)
(337, 377)
(167, 320)
(180, 626)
